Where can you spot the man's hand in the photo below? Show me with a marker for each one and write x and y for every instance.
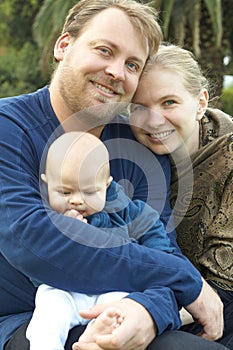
(135, 333)
(207, 310)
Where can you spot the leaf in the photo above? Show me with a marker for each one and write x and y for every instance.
(167, 10)
(215, 10)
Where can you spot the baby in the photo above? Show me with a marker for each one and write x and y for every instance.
(80, 186)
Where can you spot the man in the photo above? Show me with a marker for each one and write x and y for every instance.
(101, 55)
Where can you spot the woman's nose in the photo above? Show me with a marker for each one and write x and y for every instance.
(148, 119)
(155, 117)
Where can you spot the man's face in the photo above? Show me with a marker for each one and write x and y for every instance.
(103, 64)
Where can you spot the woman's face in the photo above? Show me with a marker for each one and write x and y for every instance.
(164, 115)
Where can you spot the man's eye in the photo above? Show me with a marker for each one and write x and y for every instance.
(133, 67)
(104, 50)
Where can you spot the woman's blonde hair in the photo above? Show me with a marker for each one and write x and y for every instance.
(184, 63)
(142, 16)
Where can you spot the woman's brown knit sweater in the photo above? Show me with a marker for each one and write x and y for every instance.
(205, 188)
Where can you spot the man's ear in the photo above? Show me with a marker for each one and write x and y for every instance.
(202, 103)
(109, 180)
(44, 178)
(61, 46)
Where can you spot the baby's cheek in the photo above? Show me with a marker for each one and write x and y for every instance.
(97, 205)
(59, 205)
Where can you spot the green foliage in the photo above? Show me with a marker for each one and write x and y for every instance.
(227, 100)
(16, 19)
(48, 26)
(176, 14)
(215, 11)
(19, 70)
(29, 28)
(19, 55)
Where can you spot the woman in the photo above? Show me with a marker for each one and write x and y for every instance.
(170, 115)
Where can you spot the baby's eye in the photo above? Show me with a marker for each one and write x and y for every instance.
(89, 193)
(64, 192)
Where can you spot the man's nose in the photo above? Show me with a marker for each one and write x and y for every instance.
(116, 69)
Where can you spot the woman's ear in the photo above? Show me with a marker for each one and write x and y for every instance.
(203, 99)
(61, 46)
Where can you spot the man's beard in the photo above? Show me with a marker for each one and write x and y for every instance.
(94, 116)
(88, 111)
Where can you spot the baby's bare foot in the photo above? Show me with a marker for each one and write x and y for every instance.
(105, 323)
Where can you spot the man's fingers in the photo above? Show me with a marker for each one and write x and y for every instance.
(212, 334)
(85, 346)
(94, 311)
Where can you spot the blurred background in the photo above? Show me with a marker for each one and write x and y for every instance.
(29, 28)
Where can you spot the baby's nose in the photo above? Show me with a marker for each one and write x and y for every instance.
(76, 199)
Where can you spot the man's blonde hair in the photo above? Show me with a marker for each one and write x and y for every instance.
(142, 16)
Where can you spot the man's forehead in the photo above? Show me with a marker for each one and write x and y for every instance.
(112, 25)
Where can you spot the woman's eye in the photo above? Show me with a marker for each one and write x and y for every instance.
(135, 108)
(169, 102)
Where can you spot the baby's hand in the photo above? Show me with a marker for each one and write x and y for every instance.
(75, 214)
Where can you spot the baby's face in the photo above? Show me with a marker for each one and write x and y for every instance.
(86, 194)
